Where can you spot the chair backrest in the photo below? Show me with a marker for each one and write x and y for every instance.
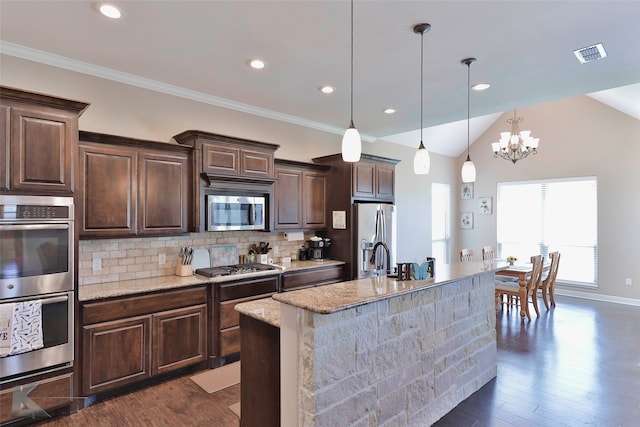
(536, 275)
(553, 268)
(488, 252)
(466, 255)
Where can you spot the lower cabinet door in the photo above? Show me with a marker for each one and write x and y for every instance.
(115, 353)
(179, 338)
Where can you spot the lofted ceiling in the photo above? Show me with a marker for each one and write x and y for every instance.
(200, 49)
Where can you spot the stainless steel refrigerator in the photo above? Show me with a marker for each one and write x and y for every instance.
(374, 222)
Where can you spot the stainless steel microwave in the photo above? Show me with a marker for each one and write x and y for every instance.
(225, 212)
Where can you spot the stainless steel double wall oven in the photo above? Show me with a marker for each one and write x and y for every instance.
(37, 264)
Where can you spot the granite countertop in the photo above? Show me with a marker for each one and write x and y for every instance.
(150, 284)
(266, 310)
(341, 296)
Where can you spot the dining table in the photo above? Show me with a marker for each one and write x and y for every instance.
(522, 273)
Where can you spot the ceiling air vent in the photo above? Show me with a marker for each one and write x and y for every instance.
(590, 53)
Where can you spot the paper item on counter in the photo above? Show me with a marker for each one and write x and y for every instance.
(294, 235)
(6, 326)
(201, 259)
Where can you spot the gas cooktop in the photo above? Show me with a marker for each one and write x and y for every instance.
(229, 270)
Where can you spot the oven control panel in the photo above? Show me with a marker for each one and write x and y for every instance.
(33, 212)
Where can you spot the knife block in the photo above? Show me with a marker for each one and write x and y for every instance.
(183, 270)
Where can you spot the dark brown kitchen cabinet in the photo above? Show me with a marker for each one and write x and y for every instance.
(39, 142)
(306, 278)
(300, 195)
(130, 339)
(370, 179)
(225, 321)
(131, 187)
(221, 164)
(373, 181)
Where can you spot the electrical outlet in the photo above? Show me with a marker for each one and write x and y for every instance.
(162, 259)
(276, 250)
(97, 264)
(628, 282)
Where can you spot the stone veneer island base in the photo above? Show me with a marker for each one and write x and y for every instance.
(383, 352)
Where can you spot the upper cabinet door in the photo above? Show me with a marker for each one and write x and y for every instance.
(42, 150)
(256, 163)
(288, 199)
(385, 181)
(107, 191)
(364, 180)
(220, 159)
(314, 190)
(163, 193)
(4, 148)
(38, 142)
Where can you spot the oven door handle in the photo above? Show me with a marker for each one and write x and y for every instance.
(19, 227)
(55, 300)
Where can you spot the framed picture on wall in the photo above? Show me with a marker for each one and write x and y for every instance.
(466, 220)
(485, 206)
(466, 191)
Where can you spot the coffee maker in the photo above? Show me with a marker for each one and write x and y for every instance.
(318, 248)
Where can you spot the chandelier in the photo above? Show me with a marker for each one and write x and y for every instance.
(517, 144)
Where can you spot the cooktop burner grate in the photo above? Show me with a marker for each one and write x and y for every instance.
(229, 270)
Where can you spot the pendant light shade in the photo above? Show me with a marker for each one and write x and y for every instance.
(351, 142)
(468, 168)
(421, 160)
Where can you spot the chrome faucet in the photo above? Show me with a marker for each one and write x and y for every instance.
(386, 248)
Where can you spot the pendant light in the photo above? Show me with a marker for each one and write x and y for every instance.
(422, 160)
(468, 168)
(351, 142)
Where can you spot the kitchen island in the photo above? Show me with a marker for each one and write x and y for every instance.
(379, 351)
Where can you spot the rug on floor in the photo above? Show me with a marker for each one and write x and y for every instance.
(219, 378)
(235, 408)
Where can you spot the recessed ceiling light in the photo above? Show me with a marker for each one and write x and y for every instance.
(327, 89)
(389, 110)
(480, 86)
(110, 11)
(590, 53)
(257, 64)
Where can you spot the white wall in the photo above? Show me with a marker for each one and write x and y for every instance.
(578, 137)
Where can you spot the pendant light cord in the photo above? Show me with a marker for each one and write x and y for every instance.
(351, 63)
(421, 79)
(468, 106)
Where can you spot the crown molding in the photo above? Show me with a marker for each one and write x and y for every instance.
(23, 52)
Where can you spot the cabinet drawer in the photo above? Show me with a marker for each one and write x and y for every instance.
(48, 394)
(249, 288)
(229, 316)
(229, 341)
(298, 279)
(102, 311)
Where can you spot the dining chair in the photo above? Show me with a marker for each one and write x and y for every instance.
(466, 255)
(548, 283)
(512, 290)
(488, 253)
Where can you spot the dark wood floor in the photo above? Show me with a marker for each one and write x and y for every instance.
(578, 364)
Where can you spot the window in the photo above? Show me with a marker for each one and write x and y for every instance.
(538, 217)
(440, 222)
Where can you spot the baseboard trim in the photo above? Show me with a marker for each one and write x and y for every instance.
(599, 297)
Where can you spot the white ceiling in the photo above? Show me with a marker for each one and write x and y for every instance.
(199, 50)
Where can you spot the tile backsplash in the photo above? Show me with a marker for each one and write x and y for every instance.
(139, 258)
